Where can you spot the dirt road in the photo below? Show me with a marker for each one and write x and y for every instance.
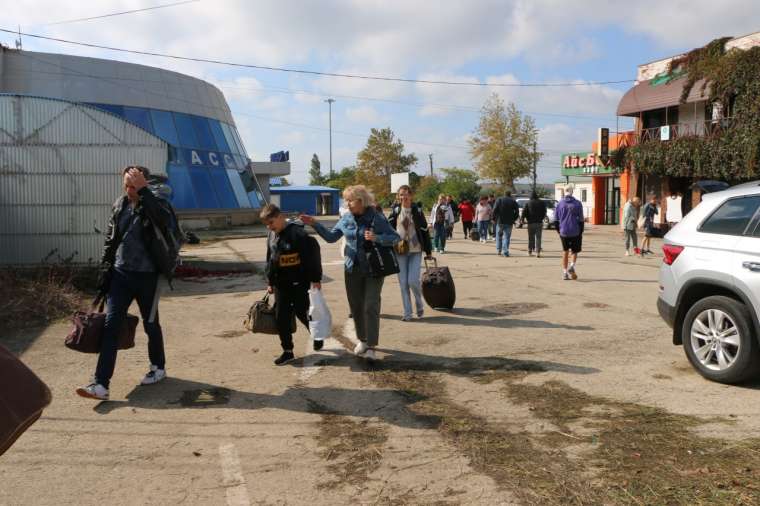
(533, 391)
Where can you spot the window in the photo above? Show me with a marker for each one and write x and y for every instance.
(584, 195)
(732, 217)
(140, 117)
(182, 188)
(238, 188)
(239, 141)
(255, 198)
(223, 189)
(186, 130)
(118, 110)
(163, 123)
(204, 189)
(216, 131)
(231, 142)
(203, 133)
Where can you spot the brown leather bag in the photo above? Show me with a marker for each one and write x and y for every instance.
(88, 330)
(262, 319)
(23, 396)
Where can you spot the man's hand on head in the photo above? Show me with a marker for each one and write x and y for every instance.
(136, 179)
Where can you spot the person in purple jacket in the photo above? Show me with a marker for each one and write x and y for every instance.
(568, 221)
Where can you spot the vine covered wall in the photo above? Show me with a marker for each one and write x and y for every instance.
(733, 81)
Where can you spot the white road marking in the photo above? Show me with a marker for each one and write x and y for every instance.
(311, 358)
(234, 481)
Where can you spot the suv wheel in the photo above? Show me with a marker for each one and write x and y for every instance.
(719, 341)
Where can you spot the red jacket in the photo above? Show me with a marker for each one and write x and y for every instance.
(467, 212)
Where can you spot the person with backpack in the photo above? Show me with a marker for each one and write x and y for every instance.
(408, 220)
(467, 214)
(440, 218)
(534, 214)
(569, 222)
(455, 211)
(140, 248)
(650, 229)
(294, 265)
(505, 213)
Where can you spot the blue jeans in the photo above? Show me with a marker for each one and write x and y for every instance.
(504, 230)
(409, 277)
(483, 230)
(125, 287)
(439, 241)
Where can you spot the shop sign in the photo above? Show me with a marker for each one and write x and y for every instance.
(202, 158)
(585, 164)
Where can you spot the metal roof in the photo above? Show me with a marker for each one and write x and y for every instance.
(646, 97)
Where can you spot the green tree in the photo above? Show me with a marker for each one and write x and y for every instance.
(382, 156)
(502, 144)
(315, 172)
(428, 190)
(461, 183)
(346, 177)
(284, 181)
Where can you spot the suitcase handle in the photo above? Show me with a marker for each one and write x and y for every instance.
(432, 259)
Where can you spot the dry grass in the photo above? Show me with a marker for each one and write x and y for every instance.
(38, 296)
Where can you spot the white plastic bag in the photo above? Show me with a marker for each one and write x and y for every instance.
(320, 320)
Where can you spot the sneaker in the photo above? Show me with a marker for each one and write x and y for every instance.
(442, 252)
(318, 344)
(286, 357)
(154, 376)
(420, 313)
(370, 355)
(498, 252)
(627, 253)
(530, 253)
(360, 349)
(565, 276)
(94, 391)
(506, 253)
(406, 318)
(572, 273)
(538, 255)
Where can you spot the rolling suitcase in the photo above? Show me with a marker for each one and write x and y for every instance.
(23, 396)
(438, 286)
(474, 235)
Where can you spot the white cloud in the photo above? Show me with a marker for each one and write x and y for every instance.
(364, 114)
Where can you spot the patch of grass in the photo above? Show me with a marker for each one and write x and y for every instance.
(354, 449)
(30, 297)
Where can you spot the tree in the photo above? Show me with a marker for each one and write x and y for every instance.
(315, 174)
(428, 190)
(502, 144)
(382, 157)
(284, 181)
(346, 177)
(461, 183)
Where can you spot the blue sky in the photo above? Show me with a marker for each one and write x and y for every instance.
(486, 41)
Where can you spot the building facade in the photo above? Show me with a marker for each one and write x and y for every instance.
(314, 200)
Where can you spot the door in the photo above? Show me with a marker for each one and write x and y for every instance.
(612, 201)
(746, 262)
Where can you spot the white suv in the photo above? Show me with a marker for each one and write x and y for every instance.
(710, 284)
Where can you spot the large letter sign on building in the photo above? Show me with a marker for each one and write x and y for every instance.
(586, 164)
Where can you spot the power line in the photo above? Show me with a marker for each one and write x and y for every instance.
(315, 72)
(163, 6)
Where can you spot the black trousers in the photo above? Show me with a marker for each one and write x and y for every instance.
(290, 299)
(466, 227)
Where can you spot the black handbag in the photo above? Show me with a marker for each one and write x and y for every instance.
(381, 260)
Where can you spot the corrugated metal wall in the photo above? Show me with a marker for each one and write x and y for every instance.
(60, 171)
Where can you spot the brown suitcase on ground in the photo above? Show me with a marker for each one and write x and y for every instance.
(23, 396)
(438, 286)
(88, 331)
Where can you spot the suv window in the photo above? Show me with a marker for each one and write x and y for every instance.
(732, 217)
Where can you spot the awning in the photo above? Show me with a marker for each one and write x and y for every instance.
(646, 96)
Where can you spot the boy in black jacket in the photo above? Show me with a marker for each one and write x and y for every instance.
(293, 265)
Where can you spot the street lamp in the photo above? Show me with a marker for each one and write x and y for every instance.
(329, 104)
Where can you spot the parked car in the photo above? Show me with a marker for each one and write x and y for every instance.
(710, 284)
(551, 205)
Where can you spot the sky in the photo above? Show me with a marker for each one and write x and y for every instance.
(477, 41)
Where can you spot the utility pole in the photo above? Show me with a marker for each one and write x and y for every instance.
(535, 165)
(430, 155)
(329, 104)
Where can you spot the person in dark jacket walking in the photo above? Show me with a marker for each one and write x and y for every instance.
(408, 220)
(568, 220)
(294, 265)
(534, 214)
(505, 212)
(129, 272)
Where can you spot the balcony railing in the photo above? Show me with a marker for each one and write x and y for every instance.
(710, 128)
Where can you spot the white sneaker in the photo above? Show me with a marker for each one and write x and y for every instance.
(94, 391)
(370, 355)
(360, 349)
(154, 376)
(627, 254)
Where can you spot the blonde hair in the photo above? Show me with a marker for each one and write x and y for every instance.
(269, 212)
(361, 193)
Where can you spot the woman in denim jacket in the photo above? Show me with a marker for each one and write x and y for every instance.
(362, 224)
